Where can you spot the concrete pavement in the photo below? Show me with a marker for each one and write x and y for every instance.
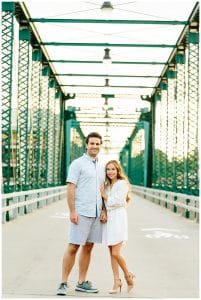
(162, 251)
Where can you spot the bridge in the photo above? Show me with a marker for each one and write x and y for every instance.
(130, 71)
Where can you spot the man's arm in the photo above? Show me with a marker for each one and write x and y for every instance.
(71, 202)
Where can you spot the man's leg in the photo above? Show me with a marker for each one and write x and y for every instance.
(68, 261)
(67, 265)
(84, 261)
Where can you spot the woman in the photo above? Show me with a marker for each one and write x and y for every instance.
(116, 194)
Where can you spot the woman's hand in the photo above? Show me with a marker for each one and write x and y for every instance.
(103, 193)
(103, 216)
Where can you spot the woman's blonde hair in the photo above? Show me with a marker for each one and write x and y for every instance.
(120, 175)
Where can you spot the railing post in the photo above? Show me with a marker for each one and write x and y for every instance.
(21, 209)
(174, 206)
(187, 213)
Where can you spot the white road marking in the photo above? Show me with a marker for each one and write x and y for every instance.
(166, 233)
(60, 215)
(164, 229)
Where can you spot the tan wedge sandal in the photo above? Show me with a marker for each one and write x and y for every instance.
(118, 285)
(130, 281)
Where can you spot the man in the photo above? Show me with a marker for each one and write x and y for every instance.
(86, 213)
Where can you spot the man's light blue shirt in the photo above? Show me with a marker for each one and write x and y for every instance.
(87, 174)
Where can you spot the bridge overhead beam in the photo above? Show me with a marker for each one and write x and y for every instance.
(100, 21)
(113, 62)
(107, 45)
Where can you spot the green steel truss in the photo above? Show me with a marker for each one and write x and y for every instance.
(175, 164)
(33, 129)
(7, 61)
(173, 161)
(37, 149)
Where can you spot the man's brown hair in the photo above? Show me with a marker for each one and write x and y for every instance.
(95, 135)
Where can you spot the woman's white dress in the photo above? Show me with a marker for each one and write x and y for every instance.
(115, 230)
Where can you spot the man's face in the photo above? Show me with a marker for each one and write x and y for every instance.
(93, 146)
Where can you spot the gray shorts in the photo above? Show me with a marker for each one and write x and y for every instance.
(87, 230)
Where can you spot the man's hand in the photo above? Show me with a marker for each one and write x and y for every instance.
(74, 217)
(103, 216)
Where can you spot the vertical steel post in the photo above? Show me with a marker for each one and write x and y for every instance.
(57, 137)
(23, 108)
(51, 132)
(180, 120)
(171, 75)
(193, 108)
(44, 125)
(35, 120)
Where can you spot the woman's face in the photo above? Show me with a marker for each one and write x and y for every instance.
(111, 171)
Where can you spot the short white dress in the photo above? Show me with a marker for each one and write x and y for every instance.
(115, 230)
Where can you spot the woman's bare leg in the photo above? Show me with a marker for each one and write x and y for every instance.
(115, 269)
(116, 256)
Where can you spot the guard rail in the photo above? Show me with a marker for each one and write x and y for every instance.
(20, 203)
(186, 205)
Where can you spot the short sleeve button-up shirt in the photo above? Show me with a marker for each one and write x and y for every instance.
(87, 174)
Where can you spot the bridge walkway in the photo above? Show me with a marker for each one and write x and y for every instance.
(162, 251)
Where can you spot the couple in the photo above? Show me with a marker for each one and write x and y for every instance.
(97, 215)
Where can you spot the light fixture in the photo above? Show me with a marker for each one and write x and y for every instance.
(107, 59)
(107, 82)
(105, 105)
(106, 86)
(107, 7)
(145, 97)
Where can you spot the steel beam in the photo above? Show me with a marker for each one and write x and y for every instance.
(113, 62)
(111, 86)
(105, 75)
(71, 44)
(101, 21)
